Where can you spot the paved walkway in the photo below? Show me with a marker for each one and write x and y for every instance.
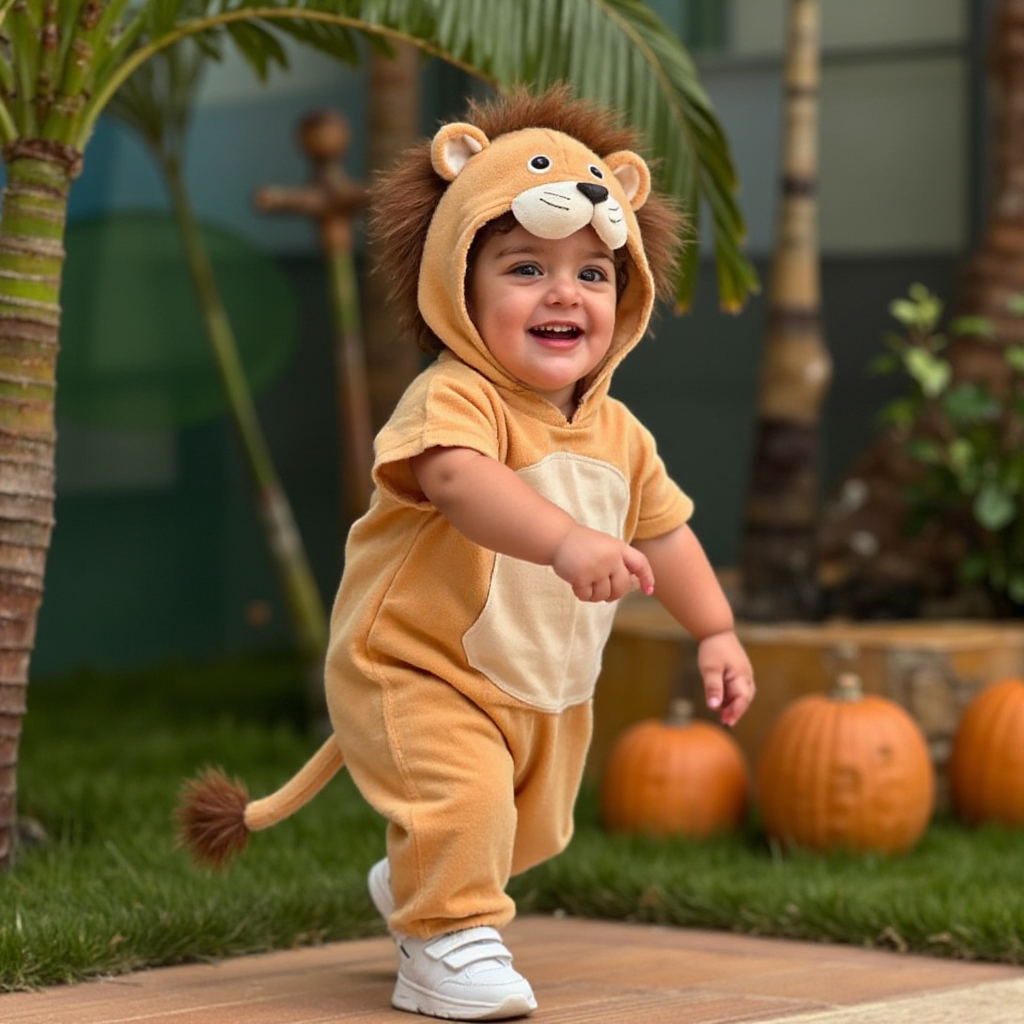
(583, 972)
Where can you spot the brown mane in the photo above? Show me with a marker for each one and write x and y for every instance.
(404, 199)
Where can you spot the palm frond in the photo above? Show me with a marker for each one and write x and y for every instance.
(8, 129)
(158, 100)
(615, 52)
(618, 53)
(337, 41)
(261, 49)
(69, 12)
(22, 28)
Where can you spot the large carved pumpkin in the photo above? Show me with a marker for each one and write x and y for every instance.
(676, 776)
(846, 771)
(986, 767)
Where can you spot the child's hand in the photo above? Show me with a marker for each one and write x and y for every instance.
(727, 674)
(600, 567)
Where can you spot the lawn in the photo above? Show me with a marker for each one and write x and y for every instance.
(103, 757)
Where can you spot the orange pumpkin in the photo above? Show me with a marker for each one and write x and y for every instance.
(845, 771)
(986, 767)
(676, 776)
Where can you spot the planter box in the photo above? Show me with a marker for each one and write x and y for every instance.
(931, 668)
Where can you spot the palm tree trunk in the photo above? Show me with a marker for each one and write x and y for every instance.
(31, 262)
(393, 116)
(995, 272)
(778, 563)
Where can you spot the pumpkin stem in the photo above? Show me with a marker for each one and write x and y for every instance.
(847, 687)
(680, 712)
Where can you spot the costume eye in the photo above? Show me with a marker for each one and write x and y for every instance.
(596, 171)
(539, 163)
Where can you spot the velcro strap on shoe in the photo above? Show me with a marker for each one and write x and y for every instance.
(457, 949)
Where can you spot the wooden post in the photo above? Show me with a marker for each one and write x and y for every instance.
(332, 199)
(778, 561)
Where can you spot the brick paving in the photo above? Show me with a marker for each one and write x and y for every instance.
(583, 972)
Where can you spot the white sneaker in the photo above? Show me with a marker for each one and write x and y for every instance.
(378, 881)
(464, 975)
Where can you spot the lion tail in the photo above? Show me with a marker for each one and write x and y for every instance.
(215, 814)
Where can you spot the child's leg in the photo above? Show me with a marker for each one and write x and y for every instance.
(549, 753)
(438, 768)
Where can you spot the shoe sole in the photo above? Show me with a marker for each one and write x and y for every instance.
(413, 999)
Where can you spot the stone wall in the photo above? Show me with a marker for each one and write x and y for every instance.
(932, 669)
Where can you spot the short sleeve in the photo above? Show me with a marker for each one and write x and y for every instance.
(448, 406)
(663, 505)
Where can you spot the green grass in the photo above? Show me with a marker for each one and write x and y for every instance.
(102, 760)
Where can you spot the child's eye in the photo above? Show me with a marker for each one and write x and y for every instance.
(526, 269)
(593, 275)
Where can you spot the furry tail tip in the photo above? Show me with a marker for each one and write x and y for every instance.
(211, 818)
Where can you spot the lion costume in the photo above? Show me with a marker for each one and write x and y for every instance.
(459, 681)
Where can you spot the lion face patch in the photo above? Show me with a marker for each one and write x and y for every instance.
(552, 183)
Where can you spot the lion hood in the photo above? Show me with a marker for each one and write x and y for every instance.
(553, 185)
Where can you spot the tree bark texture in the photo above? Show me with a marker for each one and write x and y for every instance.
(31, 262)
(778, 564)
(995, 273)
(394, 106)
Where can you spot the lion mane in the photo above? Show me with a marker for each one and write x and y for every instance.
(404, 199)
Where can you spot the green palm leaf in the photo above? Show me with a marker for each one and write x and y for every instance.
(616, 52)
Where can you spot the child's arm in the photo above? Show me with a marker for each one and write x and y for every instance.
(488, 503)
(690, 591)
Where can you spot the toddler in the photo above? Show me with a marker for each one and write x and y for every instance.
(516, 501)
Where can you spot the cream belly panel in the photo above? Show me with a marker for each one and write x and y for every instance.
(534, 639)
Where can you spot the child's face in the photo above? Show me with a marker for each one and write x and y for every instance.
(545, 308)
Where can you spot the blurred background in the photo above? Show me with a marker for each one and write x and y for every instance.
(158, 553)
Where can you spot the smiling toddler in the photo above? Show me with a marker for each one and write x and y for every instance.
(516, 501)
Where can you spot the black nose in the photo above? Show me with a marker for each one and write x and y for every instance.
(595, 193)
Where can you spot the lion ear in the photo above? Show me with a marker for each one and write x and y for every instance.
(453, 146)
(633, 174)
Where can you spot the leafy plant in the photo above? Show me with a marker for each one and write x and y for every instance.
(966, 437)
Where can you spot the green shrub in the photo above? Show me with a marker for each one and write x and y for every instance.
(967, 439)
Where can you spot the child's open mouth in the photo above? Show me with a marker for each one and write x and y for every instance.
(556, 332)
